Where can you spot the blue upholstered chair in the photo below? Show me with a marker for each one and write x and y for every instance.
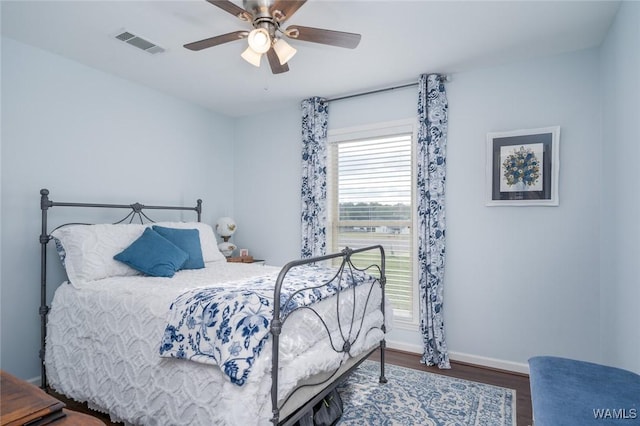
(567, 392)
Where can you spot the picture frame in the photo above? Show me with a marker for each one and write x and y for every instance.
(244, 252)
(522, 167)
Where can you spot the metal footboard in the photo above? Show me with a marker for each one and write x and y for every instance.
(331, 379)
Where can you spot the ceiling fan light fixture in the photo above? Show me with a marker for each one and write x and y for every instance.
(259, 40)
(267, 18)
(252, 56)
(284, 51)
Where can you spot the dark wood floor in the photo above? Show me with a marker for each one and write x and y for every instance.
(519, 382)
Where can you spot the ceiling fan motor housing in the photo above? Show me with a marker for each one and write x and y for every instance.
(263, 17)
(258, 8)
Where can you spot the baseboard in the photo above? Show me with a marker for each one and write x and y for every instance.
(495, 363)
(498, 364)
(35, 381)
(405, 347)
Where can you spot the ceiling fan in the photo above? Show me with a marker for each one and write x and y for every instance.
(267, 17)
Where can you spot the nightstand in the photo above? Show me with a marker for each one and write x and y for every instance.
(244, 259)
(23, 403)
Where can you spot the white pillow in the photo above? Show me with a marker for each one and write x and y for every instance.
(87, 250)
(208, 242)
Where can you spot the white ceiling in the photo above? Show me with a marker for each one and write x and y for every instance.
(400, 40)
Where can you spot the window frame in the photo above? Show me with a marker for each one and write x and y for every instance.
(368, 131)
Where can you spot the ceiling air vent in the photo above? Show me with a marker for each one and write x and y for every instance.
(139, 42)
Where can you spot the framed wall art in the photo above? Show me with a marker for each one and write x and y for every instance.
(522, 167)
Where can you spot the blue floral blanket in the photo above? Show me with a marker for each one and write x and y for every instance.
(229, 327)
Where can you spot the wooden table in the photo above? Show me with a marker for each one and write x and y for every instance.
(22, 403)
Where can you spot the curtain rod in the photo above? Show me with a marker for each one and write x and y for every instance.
(386, 89)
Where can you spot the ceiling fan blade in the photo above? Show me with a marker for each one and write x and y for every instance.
(214, 41)
(286, 8)
(319, 35)
(233, 9)
(274, 62)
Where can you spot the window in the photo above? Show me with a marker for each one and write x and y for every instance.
(370, 191)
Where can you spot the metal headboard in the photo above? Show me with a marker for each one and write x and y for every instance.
(136, 210)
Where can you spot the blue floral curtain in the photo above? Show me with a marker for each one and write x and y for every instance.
(431, 159)
(314, 177)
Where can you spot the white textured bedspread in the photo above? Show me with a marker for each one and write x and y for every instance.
(103, 347)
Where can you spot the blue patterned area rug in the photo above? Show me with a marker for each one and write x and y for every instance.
(413, 397)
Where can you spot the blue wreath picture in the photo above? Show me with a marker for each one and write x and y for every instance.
(522, 167)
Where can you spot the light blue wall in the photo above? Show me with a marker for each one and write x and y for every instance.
(78, 132)
(620, 214)
(523, 281)
(267, 185)
(519, 281)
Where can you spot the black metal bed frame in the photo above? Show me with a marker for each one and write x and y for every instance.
(278, 320)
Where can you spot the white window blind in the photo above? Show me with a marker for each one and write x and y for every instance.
(371, 203)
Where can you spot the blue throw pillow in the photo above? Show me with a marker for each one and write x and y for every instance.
(154, 255)
(188, 240)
